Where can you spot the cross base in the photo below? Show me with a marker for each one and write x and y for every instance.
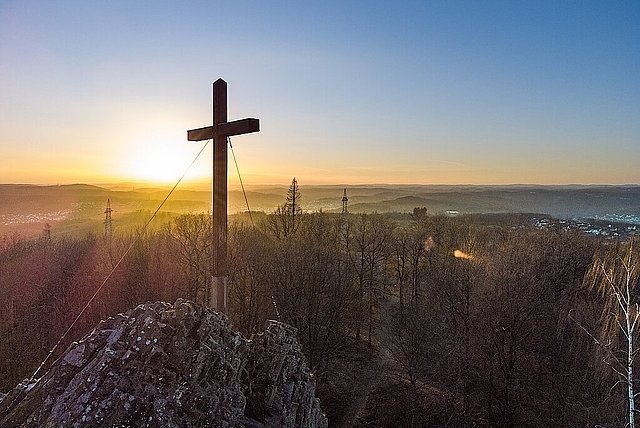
(219, 290)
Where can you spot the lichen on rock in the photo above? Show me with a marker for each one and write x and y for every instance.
(163, 365)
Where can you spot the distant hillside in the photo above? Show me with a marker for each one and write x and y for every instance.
(584, 202)
(27, 208)
(24, 198)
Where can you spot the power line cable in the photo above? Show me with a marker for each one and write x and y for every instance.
(246, 200)
(135, 241)
(233, 153)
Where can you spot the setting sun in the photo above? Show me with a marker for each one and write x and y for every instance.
(162, 160)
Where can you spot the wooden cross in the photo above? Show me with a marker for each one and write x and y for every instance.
(219, 132)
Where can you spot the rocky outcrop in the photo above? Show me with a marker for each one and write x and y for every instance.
(163, 365)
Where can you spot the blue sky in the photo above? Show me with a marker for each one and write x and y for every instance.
(347, 92)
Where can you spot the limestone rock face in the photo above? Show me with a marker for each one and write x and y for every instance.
(278, 383)
(163, 365)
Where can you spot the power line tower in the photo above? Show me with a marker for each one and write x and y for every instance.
(108, 226)
(46, 231)
(345, 210)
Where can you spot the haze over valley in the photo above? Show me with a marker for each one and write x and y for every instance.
(72, 208)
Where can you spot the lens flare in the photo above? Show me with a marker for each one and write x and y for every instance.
(462, 255)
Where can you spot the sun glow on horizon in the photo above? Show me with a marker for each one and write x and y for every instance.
(164, 160)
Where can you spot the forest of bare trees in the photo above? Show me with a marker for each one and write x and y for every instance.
(414, 320)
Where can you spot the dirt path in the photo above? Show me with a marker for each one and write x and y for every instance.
(361, 393)
(376, 374)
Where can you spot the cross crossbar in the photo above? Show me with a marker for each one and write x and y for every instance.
(237, 127)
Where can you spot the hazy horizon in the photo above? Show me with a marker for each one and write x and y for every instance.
(204, 186)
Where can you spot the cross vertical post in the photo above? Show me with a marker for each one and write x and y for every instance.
(219, 132)
(219, 191)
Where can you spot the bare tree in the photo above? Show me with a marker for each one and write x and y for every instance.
(410, 257)
(409, 344)
(193, 233)
(368, 241)
(250, 294)
(614, 275)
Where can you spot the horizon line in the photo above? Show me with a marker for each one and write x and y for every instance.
(191, 184)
